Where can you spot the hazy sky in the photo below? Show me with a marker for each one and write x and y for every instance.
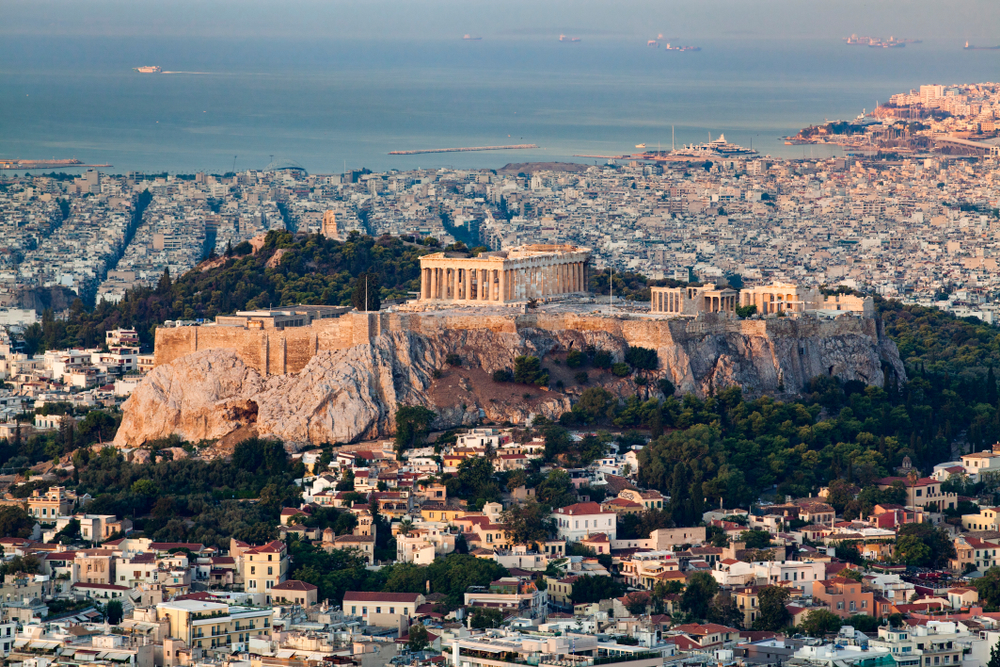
(977, 20)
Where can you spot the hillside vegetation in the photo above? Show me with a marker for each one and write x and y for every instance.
(312, 269)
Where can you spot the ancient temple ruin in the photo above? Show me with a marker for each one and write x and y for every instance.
(518, 274)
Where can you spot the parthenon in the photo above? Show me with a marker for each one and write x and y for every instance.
(505, 276)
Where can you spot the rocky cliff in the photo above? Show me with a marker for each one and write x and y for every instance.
(349, 394)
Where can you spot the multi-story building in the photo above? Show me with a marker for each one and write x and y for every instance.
(569, 649)
(924, 492)
(46, 505)
(577, 521)
(204, 624)
(382, 609)
(510, 594)
(845, 597)
(927, 645)
(263, 568)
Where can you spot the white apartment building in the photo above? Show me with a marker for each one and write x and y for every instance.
(763, 573)
(581, 520)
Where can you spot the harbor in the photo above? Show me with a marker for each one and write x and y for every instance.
(466, 149)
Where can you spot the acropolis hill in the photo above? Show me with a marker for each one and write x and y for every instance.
(321, 374)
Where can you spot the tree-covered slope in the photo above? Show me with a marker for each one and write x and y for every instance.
(311, 269)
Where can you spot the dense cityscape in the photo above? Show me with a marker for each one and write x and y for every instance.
(696, 407)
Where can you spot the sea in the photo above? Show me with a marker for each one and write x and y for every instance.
(330, 105)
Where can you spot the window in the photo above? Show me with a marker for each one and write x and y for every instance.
(392, 610)
(269, 570)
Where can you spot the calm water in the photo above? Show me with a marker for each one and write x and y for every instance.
(326, 103)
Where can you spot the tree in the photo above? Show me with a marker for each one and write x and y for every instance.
(820, 622)
(988, 587)
(724, 611)
(417, 637)
(642, 358)
(756, 539)
(96, 426)
(864, 623)
(744, 312)
(365, 295)
(849, 552)
(346, 481)
(596, 405)
(484, 618)
(114, 612)
(528, 370)
(412, 425)
(923, 545)
(527, 523)
(773, 614)
(474, 482)
(589, 588)
(163, 286)
(701, 589)
(556, 490)
(994, 660)
(15, 522)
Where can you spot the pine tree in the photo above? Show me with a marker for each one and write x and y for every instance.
(163, 287)
(994, 660)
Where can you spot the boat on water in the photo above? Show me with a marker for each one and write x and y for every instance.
(640, 145)
(715, 148)
(148, 69)
(470, 38)
(879, 43)
(970, 47)
(564, 38)
(670, 47)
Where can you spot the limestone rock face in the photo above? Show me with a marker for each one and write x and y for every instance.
(206, 397)
(351, 394)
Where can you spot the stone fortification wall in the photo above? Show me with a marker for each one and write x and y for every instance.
(800, 341)
(343, 380)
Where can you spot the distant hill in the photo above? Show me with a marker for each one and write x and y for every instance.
(310, 269)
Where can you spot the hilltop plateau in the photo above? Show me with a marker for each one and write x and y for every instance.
(472, 368)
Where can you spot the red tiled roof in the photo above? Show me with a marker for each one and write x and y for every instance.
(294, 585)
(582, 508)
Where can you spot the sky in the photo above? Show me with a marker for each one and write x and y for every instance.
(975, 20)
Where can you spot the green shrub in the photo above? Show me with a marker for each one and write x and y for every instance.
(503, 375)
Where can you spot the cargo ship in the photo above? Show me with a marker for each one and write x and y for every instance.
(670, 47)
(470, 38)
(879, 43)
(970, 47)
(564, 38)
(148, 69)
